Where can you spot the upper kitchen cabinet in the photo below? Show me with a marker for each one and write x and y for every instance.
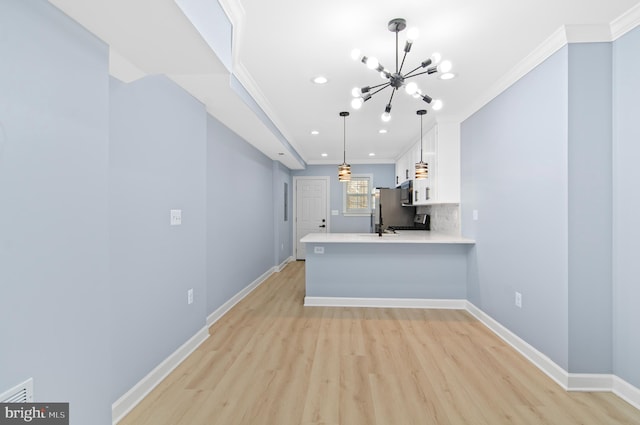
(403, 168)
(441, 151)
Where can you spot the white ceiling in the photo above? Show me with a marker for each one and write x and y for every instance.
(280, 45)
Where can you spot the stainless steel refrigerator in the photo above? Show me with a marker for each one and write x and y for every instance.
(388, 210)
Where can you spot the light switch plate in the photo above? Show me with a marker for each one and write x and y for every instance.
(176, 217)
(335, 212)
(475, 215)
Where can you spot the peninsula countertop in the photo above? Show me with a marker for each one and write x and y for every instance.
(401, 237)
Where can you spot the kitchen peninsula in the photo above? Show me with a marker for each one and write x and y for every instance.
(408, 268)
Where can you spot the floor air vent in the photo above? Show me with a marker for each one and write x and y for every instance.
(22, 393)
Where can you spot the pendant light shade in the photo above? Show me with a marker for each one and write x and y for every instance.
(422, 171)
(344, 169)
(344, 172)
(422, 168)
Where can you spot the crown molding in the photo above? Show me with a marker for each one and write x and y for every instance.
(587, 33)
(552, 44)
(625, 22)
(561, 37)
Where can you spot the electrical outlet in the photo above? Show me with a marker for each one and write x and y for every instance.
(518, 300)
(318, 250)
(190, 296)
(475, 215)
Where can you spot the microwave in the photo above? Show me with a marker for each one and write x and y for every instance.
(406, 192)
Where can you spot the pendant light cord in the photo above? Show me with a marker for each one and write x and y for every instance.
(344, 140)
(421, 138)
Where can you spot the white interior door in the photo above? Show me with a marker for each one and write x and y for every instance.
(311, 209)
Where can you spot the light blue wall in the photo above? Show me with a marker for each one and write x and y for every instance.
(383, 176)
(590, 172)
(54, 270)
(514, 173)
(94, 279)
(157, 162)
(240, 214)
(584, 314)
(372, 270)
(626, 207)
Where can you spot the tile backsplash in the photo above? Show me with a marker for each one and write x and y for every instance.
(445, 218)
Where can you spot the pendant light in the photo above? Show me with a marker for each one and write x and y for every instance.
(422, 170)
(344, 169)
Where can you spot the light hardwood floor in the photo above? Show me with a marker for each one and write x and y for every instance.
(272, 361)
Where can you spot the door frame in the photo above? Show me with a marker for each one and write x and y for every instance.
(327, 180)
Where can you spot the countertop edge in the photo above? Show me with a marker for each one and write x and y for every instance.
(400, 238)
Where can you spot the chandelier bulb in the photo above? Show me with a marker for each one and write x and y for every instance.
(386, 117)
(411, 88)
(372, 63)
(356, 54)
(437, 105)
(412, 34)
(445, 66)
(356, 92)
(436, 58)
(357, 102)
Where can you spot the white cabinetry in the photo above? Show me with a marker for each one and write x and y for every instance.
(448, 153)
(441, 151)
(404, 171)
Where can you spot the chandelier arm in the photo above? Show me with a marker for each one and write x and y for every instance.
(419, 73)
(402, 64)
(408, 74)
(392, 93)
(380, 89)
(378, 85)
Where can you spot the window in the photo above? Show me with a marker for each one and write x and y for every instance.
(357, 195)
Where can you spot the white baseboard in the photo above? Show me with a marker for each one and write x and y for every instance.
(284, 264)
(590, 382)
(568, 381)
(384, 302)
(131, 398)
(224, 308)
(626, 391)
(544, 363)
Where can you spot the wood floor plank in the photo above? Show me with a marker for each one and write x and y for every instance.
(272, 361)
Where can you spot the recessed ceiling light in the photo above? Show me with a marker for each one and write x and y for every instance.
(323, 154)
(315, 132)
(382, 131)
(320, 79)
(447, 76)
(372, 154)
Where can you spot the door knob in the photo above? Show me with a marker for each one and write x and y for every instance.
(322, 225)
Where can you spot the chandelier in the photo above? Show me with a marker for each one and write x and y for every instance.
(398, 79)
